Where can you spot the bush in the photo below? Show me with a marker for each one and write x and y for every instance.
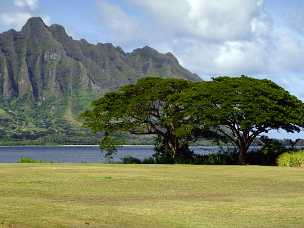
(28, 160)
(268, 154)
(131, 160)
(293, 159)
(149, 160)
(227, 158)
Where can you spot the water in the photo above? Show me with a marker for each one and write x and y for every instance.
(78, 154)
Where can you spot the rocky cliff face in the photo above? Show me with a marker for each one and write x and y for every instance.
(47, 77)
(40, 61)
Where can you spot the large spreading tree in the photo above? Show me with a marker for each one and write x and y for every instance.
(145, 108)
(242, 108)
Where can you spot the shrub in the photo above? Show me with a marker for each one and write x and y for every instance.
(131, 160)
(227, 158)
(149, 160)
(28, 160)
(294, 159)
(268, 154)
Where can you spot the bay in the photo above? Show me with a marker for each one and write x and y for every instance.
(82, 154)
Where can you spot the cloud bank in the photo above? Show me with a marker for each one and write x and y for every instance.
(14, 14)
(214, 37)
(222, 37)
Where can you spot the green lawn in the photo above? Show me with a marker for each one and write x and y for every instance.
(83, 195)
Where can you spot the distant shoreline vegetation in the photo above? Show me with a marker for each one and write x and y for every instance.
(90, 140)
(34, 143)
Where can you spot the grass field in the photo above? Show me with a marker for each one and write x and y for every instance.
(70, 195)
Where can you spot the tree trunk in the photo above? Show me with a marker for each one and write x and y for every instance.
(179, 151)
(171, 149)
(242, 153)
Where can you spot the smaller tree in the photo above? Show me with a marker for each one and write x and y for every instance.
(146, 108)
(242, 108)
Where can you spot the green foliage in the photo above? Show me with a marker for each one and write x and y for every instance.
(108, 144)
(29, 160)
(179, 112)
(3, 114)
(149, 160)
(291, 159)
(165, 155)
(242, 108)
(44, 123)
(227, 158)
(131, 160)
(268, 154)
(146, 108)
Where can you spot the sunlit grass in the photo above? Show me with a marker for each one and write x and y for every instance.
(70, 195)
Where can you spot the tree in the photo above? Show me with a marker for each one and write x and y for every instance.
(146, 108)
(242, 108)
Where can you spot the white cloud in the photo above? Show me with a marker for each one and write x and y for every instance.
(288, 52)
(123, 26)
(204, 19)
(240, 57)
(15, 20)
(220, 36)
(211, 37)
(16, 14)
(31, 4)
(225, 38)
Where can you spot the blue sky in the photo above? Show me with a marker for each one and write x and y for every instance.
(260, 38)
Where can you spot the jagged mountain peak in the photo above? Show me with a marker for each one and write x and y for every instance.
(153, 53)
(47, 77)
(145, 50)
(35, 21)
(56, 28)
(34, 24)
(41, 61)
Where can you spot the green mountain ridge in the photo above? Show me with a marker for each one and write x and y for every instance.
(47, 78)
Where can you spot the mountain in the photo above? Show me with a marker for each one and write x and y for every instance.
(47, 78)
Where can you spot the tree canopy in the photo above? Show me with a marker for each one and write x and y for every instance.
(179, 112)
(147, 107)
(242, 108)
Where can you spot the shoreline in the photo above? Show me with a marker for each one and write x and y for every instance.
(118, 146)
(72, 146)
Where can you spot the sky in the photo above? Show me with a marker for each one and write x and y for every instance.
(259, 38)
